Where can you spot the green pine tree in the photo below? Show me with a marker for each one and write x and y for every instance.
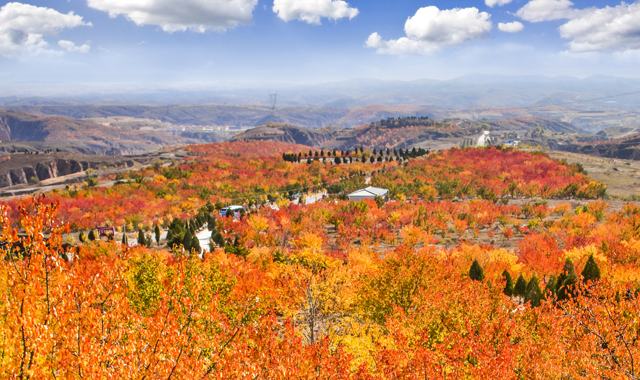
(125, 240)
(156, 229)
(140, 237)
(508, 288)
(175, 233)
(566, 281)
(195, 245)
(551, 288)
(475, 272)
(521, 287)
(591, 272)
(533, 293)
(219, 239)
(187, 240)
(92, 235)
(211, 223)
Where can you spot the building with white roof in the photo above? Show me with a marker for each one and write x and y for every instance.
(368, 193)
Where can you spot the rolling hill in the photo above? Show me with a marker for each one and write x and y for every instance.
(20, 130)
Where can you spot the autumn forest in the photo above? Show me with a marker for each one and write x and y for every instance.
(482, 263)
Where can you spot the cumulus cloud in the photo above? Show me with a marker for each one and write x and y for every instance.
(547, 10)
(604, 29)
(431, 29)
(173, 16)
(71, 47)
(510, 27)
(493, 3)
(23, 28)
(311, 11)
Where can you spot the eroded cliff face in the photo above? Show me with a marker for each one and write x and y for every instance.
(52, 169)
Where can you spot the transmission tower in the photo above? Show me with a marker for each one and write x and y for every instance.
(273, 99)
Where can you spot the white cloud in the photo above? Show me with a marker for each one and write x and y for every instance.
(311, 11)
(547, 10)
(174, 15)
(401, 46)
(493, 3)
(430, 29)
(71, 47)
(604, 29)
(23, 28)
(510, 27)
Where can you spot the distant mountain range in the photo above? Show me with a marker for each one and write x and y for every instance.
(597, 92)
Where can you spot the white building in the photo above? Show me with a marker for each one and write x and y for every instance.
(368, 193)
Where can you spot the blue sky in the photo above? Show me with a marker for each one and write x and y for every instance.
(231, 42)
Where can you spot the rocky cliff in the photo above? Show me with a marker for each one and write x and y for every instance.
(23, 169)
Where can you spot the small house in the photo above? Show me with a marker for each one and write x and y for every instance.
(368, 193)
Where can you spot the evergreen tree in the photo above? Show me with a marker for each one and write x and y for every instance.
(372, 159)
(125, 240)
(508, 288)
(591, 272)
(475, 272)
(92, 235)
(140, 237)
(566, 281)
(187, 240)
(219, 239)
(195, 245)
(374, 151)
(338, 161)
(175, 233)
(156, 229)
(551, 288)
(533, 293)
(211, 223)
(322, 152)
(521, 287)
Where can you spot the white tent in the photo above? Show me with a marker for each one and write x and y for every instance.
(368, 193)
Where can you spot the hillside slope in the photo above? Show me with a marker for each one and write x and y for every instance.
(522, 123)
(291, 134)
(408, 132)
(627, 148)
(20, 130)
(369, 136)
